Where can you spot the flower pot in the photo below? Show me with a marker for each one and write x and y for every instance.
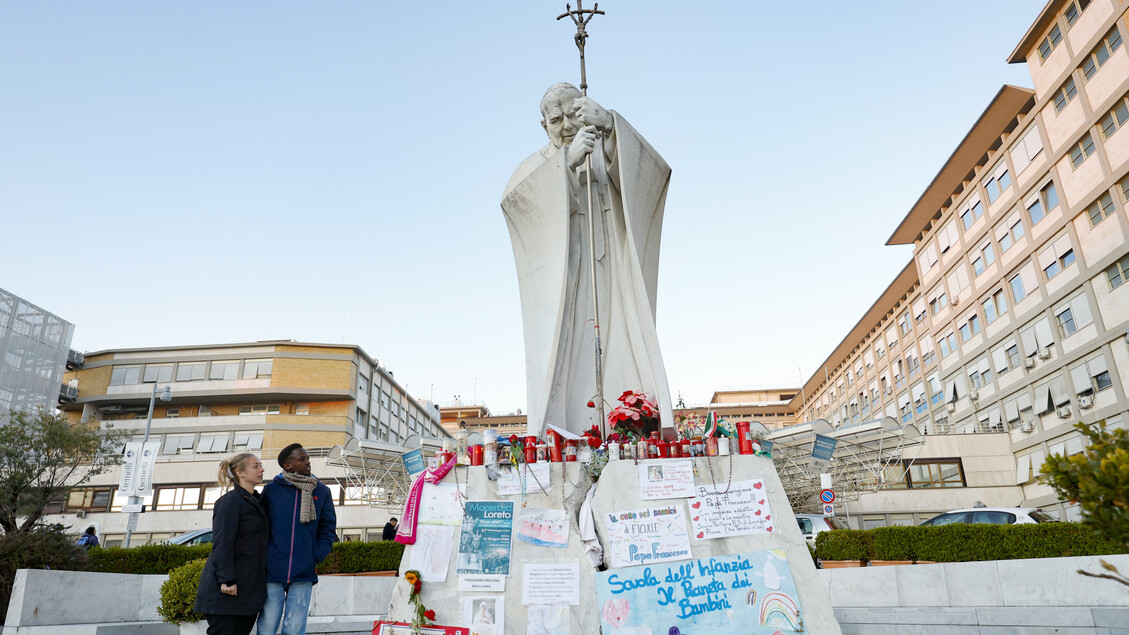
(380, 574)
(924, 562)
(841, 564)
(194, 628)
(887, 563)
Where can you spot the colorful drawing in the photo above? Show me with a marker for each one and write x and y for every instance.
(715, 595)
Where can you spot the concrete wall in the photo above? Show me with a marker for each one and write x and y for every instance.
(1005, 596)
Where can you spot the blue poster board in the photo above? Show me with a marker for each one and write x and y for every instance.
(823, 447)
(413, 461)
(487, 535)
(739, 593)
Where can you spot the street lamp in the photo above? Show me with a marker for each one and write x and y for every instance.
(166, 395)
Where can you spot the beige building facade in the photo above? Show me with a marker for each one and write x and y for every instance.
(1010, 323)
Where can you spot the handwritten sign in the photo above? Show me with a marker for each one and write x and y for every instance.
(666, 479)
(534, 478)
(740, 593)
(739, 511)
(645, 536)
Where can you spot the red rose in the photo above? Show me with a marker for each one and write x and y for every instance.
(429, 614)
(513, 438)
(593, 442)
(417, 588)
(591, 404)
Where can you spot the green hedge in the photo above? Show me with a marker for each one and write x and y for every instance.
(178, 593)
(963, 543)
(148, 559)
(359, 557)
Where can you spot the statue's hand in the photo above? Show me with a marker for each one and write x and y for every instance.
(582, 145)
(592, 114)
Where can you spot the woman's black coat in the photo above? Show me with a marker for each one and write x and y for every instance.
(240, 535)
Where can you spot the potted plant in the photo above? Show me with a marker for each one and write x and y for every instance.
(178, 596)
(893, 545)
(843, 548)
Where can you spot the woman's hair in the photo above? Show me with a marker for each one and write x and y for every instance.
(229, 467)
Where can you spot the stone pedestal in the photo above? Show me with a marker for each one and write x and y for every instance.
(617, 490)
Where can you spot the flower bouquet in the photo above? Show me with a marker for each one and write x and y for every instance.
(635, 417)
(423, 615)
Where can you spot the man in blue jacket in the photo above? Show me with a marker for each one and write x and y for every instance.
(303, 527)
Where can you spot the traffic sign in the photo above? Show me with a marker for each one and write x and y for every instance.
(828, 510)
(827, 496)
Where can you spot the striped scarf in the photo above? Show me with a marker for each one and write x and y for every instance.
(306, 485)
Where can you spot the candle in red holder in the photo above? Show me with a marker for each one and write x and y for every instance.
(556, 446)
(542, 452)
(530, 449)
(570, 450)
(641, 449)
(686, 447)
(744, 440)
(444, 456)
(675, 450)
(475, 453)
(664, 450)
(711, 446)
(653, 451)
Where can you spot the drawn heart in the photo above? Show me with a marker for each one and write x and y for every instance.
(758, 512)
(760, 502)
(695, 519)
(701, 534)
(757, 485)
(697, 505)
(770, 528)
(768, 517)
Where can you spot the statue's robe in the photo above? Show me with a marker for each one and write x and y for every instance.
(545, 206)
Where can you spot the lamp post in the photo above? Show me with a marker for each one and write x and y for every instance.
(166, 395)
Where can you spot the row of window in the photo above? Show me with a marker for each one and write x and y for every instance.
(1070, 15)
(205, 442)
(183, 497)
(223, 370)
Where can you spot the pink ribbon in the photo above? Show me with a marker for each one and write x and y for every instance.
(406, 531)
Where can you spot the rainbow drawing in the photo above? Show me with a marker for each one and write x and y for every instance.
(779, 611)
(751, 598)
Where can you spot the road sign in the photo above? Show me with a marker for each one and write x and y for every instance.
(133, 508)
(829, 510)
(827, 496)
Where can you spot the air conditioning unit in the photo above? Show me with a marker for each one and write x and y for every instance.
(889, 391)
(974, 395)
(1045, 353)
(80, 513)
(1086, 401)
(1027, 426)
(1064, 412)
(952, 406)
(1029, 362)
(956, 300)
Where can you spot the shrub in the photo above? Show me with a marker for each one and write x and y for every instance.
(39, 548)
(147, 559)
(894, 543)
(1098, 479)
(360, 557)
(178, 593)
(843, 544)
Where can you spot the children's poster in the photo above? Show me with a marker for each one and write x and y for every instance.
(666, 479)
(431, 554)
(484, 545)
(646, 536)
(740, 593)
(740, 509)
(523, 479)
(439, 504)
(543, 527)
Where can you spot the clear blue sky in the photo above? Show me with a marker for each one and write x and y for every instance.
(210, 172)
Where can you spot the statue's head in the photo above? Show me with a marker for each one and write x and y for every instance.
(558, 115)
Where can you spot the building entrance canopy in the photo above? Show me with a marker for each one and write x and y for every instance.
(857, 464)
(374, 470)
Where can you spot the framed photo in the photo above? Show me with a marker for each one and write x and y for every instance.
(405, 628)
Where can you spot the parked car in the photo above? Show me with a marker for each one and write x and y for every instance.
(195, 537)
(992, 516)
(812, 524)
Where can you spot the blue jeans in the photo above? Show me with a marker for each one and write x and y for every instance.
(286, 603)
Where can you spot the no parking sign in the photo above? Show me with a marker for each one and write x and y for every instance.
(828, 510)
(827, 496)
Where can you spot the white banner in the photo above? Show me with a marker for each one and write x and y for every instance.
(145, 464)
(128, 483)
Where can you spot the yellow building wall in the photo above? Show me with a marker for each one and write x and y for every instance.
(312, 373)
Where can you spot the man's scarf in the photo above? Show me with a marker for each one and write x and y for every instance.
(406, 530)
(306, 485)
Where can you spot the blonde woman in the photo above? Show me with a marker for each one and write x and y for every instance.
(233, 586)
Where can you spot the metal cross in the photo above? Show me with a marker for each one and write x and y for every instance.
(581, 17)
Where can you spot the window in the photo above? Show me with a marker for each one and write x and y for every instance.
(157, 373)
(938, 300)
(1091, 376)
(936, 389)
(994, 306)
(177, 498)
(1010, 231)
(1073, 315)
(172, 413)
(1049, 43)
(1082, 150)
(1114, 119)
(125, 375)
(226, 371)
(88, 499)
(1117, 272)
(1074, 9)
(913, 364)
(1101, 53)
(204, 411)
(1124, 187)
(1066, 322)
(1065, 94)
(1041, 205)
(972, 214)
(179, 444)
(302, 409)
(997, 183)
(211, 495)
(1025, 150)
(984, 260)
(1101, 209)
(934, 473)
(258, 410)
(247, 441)
(191, 372)
(213, 442)
(1013, 355)
(1002, 357)
(980, 373)
(1037, 336)
(970, 328)
(947, 344)
(1017, 290)
(1056, 257)
(904, 323)
(257, 368)
(928, 353)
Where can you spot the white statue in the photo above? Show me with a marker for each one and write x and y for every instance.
(545, 204)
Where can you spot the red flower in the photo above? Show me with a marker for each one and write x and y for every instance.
(591, 404)
(417, 587)
(593, 442)
(513, 438)
(429, 614)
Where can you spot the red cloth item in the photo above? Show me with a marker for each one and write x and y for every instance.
(406, 531)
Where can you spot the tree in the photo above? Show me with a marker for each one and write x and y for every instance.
(1098, 479)
(42, 456)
